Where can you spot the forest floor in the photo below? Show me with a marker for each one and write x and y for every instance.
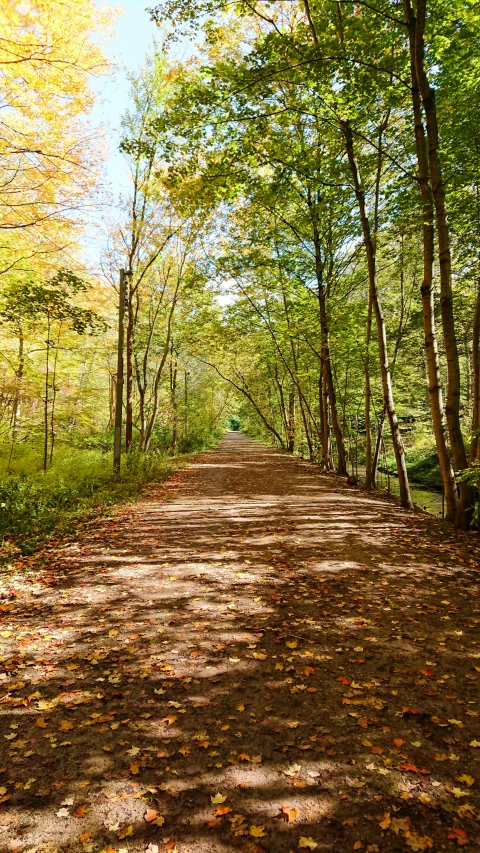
(252, 657)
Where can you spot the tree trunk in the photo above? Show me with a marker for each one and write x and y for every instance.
(369, 471)
(17, 399)
(291, 421)
(129, 368)
(342, 459)
(398, 448)
(46, 401)
(54, 395)
(474, 443)
(173, 396)
(452, 407)
(427, 288)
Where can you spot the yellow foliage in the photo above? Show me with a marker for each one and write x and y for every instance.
(49, 51)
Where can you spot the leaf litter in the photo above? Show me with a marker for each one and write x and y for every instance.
(251, 656)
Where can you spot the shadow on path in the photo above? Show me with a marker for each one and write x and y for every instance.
(264, 660)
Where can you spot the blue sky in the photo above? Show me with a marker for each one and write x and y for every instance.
(133, 36)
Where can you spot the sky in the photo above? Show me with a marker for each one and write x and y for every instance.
(133, 36)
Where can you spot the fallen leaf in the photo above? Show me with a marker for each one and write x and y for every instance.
(468, 780)
(400, 824)
(289, 813)
(218, 798)
(257, 831)
(418, 842)
(150, 815)
(307, 842)
(459, 835)
(126, 832)
(386, 821)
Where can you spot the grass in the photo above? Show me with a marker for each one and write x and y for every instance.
(35, 505)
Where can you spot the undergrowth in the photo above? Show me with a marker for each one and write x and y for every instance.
(35, 504)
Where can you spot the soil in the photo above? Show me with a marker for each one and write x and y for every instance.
(252, 657)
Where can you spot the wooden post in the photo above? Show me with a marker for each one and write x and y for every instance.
(187, 374)
(117, 444)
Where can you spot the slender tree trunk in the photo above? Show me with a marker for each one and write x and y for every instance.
(54, 395)
(129, 368)
(452, 407)
(369, 475)
(474, 443)
(159, 373)
(45, 408)
(405, 497)
(342, 459)
(291, 421)
(111, 400)
(283, 408)
(427, 287)
(173, 396)
(17, 399)
(326, 441)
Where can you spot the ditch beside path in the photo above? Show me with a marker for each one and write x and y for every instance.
(252, 657)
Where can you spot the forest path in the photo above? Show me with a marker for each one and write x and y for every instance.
(252, 657)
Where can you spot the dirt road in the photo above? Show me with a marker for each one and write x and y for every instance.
(251, 658)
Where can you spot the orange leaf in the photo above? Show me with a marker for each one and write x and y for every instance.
(459, 835)
(289, 813)
(81, 811)
(398, 742)
(135, 768)
(150, 815)
(222, 810)
(309, 670)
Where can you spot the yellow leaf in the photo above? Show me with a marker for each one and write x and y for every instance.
(126, 832)
(418, 842)
(386, 821)
(257, 831)
(307, 842)
(41, 723)
(218, 798)
(468, 780)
